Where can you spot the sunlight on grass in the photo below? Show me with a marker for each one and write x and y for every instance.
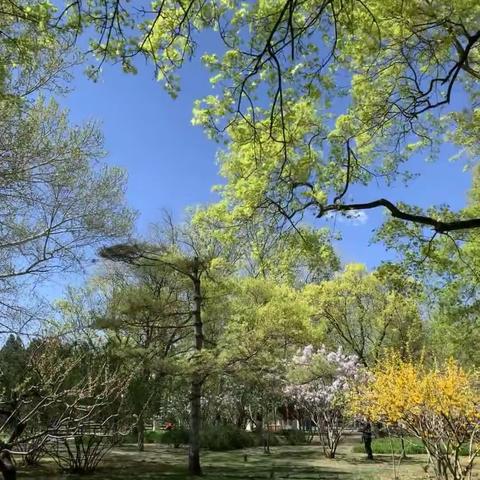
(285, 462)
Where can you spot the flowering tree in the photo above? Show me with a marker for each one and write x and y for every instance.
(319, 384)
(438, 405)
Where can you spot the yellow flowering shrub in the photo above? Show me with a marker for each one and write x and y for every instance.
(439, 405)
(401, 389)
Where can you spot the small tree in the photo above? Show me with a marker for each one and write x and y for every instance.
(438, 405)
(319, 383)
(66, 392)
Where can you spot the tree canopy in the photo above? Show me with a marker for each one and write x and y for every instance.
(313, 97)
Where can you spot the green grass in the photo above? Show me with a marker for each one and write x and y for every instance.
(413, 446)
(285, 462)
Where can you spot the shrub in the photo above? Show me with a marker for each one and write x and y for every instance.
(217, 438)
(153, 436)
(227, 437)
(273, 440)
(175, 437)
(295, 437)
(439, 404)
(81, 454)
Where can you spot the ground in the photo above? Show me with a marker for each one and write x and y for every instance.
(292, 462)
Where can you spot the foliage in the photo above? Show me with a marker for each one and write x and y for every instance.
(263, 249)
(413, 446)
(13, 365)
(36, 57)
(68, 392)
(57, 197)
(226, 437)
(449, 271)
(153, 436)
(438, 405)
(312, 98)
(385, 446)
(366, 312)
(215, 437)
(57, 200)
(175, 437)
(82, 453)
(295, 437)
(266, 318)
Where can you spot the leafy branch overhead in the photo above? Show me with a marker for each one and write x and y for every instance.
(314, 97)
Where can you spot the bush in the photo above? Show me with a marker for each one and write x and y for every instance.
(273, 440)
(80, 454)
(295, 437)
(227, 437)
(174, 437)
(153, 436)
(217, 438)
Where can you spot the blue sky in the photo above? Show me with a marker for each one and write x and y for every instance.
(171, 164)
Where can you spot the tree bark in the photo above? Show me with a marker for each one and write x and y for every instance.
(194, 467)
(7, 466)
(438, 226)
(140, 433)
(403, 455)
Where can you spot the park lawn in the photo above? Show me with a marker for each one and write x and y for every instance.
(413, 446)
(292, 462)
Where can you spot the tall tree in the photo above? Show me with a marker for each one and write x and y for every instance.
(193, 255)
(264, 248)
(57, 199)
(365, 315)
(448, 266)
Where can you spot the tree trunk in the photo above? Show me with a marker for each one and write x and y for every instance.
(194, 467)
(241, 419)
(403, 455)
(140, 433)
(7, 467)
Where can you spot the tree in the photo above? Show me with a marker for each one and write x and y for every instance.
(65, 393)
(57, 200)
(448, 268)
(195, 257)
(37, 57)
(365, 315)
(13, 365)
(147, 320)
(320, 383)
(263, 248)
(267, 323)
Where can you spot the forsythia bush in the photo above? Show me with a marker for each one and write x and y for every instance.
(438, 405)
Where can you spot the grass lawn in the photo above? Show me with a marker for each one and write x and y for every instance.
(292, 462)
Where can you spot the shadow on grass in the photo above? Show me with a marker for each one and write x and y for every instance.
(250, 470)
(157, 463)
(274, 472)
(381, 460)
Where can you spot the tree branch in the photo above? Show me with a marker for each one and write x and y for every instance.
(438, 225)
